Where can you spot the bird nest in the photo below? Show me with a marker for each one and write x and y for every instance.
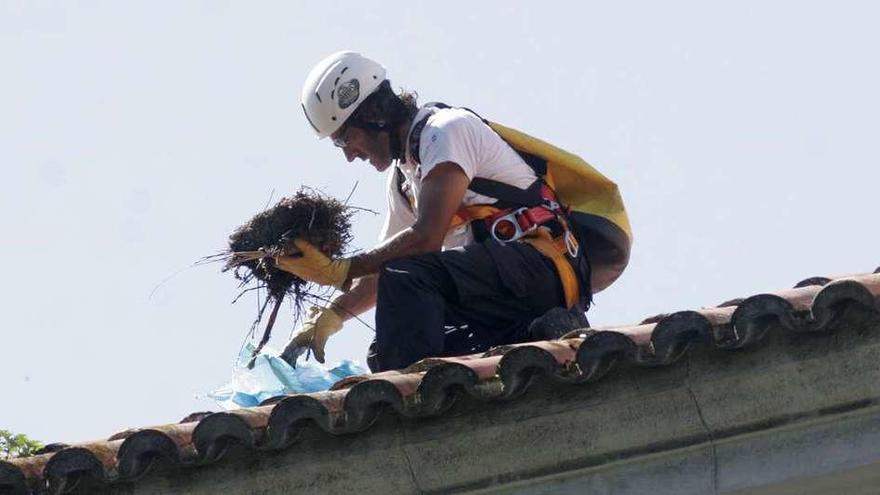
(310, 215)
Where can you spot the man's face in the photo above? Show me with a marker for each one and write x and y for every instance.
(359, 143)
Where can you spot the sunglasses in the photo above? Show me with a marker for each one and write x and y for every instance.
(341, 139)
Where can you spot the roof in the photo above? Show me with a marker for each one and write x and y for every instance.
(429, 389)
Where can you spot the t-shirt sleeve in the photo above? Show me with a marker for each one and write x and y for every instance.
(400, 215)
(453, 138)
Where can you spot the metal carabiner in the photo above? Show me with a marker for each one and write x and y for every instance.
(571, 244)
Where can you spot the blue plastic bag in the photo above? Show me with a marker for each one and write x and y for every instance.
(271, 376)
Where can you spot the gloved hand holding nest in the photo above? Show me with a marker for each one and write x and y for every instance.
(287, 247)
(309, 263)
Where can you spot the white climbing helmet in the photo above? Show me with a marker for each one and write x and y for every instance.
(336, 86)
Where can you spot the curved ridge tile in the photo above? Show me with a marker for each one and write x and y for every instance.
(801, 300)
(55, 447)
(753, 318)
(599, 352)
(562, 350)
(653, 320)
(720, 315)
(365, 401)
(564, 353)
(441, 385)
(406, 383)
(640, 335)
(673, 336)
(812, 281)
(791, 308)
(12, 480)
(214, 434)
(871, 282)
(67, 467)
(195, 417)
(349, 382)
(830, 302)
(140, 451)
(484, 365)
(520, 365)
(32, 468)
(731, 302)
(287, 417)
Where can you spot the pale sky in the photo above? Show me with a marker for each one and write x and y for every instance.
(134, 136)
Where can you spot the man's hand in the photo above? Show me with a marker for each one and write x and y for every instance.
(314, 332)
(314, 266)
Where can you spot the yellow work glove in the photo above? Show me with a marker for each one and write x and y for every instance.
(314, 266)
(320, 324)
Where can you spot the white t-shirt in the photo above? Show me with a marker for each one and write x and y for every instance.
(452, 135)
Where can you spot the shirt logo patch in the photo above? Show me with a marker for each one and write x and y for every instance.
(348, 93)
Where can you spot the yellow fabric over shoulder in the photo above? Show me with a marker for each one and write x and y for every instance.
(595, 202)
(577, 183)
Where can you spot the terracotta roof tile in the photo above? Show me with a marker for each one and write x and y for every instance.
(429, 388)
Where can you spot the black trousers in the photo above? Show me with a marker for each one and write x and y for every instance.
(460, 301)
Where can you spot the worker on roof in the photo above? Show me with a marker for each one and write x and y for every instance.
(475, 247)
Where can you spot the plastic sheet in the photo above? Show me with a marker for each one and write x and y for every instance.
(271, 376)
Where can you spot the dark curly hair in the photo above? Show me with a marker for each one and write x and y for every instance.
(384, 109)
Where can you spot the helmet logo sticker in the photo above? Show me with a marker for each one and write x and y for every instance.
(348, 93)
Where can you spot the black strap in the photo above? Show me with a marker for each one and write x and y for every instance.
(508, 194)
(538, 164)
(395, 146)
(415, 136)
(401, 183)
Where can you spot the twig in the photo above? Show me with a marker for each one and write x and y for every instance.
(266, 333)
(235, 258)
(199, 262)
(271, 195)
(350, 194)
(245, 291)
(359, 208)
(353, 315)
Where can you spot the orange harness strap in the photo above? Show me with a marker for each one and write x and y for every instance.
(555, 249)
(469, 213)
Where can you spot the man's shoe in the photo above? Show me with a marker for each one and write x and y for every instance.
(557, 322)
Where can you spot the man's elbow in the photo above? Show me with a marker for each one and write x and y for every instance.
(426, 240)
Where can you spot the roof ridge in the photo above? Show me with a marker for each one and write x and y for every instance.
(432, 386)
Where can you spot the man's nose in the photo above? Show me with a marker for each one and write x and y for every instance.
(349, 155)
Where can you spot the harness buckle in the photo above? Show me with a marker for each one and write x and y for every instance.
(512, 226)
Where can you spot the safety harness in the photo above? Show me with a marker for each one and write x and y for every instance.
(534, 215)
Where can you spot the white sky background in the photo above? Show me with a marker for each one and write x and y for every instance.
(135, 136)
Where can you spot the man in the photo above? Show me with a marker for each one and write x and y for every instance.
(440, 284)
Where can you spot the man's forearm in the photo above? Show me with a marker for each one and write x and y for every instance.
(407, 243)
(360, 298)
